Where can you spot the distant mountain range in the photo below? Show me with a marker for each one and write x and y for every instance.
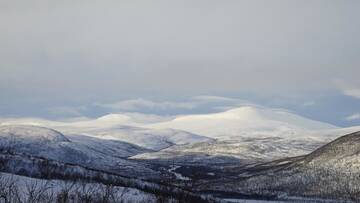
(248, 152)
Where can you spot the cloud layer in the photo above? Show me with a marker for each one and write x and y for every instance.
(77, 50)
(353, 117)
(353, 93)
(57, 57)
(194, 104)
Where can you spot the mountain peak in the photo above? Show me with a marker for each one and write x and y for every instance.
(250, 120)
(27, 132)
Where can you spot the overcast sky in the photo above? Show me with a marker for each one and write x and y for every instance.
(294, 54)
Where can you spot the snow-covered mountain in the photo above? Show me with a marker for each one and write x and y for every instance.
(248, 134)
(30, 135)
(247, 121)
(105, 121)
(89, 165)
(154, 139)
(230, 145)
(332, 172)
(245, 133)
(108, 155)
(121, 127)
(114, 120)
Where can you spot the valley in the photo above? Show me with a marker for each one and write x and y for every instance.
(276, 157)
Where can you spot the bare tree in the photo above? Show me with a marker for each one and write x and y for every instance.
(65, 194)
(37, 191)
(9, 191)
(84, 192)
(108, 193)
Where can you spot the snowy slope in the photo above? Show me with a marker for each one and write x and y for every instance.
(109, 120)
(26, 189)
(245, 121)
(113, 121)
(332, 171)
(245, 133)
(248, 134)
(154, 139)
(108, 155)
(121, 127)
(242, 151)
(30, 134)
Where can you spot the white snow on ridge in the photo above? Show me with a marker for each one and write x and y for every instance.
(121, 127)
(154, 139)
(100, 154)
(115, 120)
(31, 133)
(249, 131)
(244, 121)
(106, 121)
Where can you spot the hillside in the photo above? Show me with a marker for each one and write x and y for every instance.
(330, 172)
(153, 139)
(247, 134)
(121, 127)
(100, 154)
(31, 134)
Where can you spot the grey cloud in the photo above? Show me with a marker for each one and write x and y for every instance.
(66, 111)
(208, 103)
(309, 103)
(352, 93)
(139, 104)
(81, 50)
(213, 99)
(353, 117)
